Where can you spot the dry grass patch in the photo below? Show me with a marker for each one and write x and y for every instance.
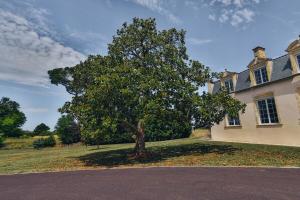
(200, 133)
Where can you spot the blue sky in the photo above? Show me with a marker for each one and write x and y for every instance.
(38, 35)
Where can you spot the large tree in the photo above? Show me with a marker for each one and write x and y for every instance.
(41, 129)
(11, 118)
(67, 129)
(145, 85)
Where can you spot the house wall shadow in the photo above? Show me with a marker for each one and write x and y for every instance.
(116, 158)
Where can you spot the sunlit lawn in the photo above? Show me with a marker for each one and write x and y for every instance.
(182, 152)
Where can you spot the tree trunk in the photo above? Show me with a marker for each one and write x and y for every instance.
(140, 146)
(209, 132)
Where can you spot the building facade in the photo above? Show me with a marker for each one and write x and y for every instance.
(271, 90)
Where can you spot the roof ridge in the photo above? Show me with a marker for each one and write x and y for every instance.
(243, 71)
(271, 58)
(248, 69)
(279, 57)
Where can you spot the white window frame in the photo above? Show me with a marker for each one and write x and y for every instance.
(268, 112)
(261, 76)
(227, 117)
(298, 61)
(228, 81)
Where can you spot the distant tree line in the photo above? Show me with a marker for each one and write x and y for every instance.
(12, 118)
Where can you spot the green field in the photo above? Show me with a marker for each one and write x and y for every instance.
(19, 157)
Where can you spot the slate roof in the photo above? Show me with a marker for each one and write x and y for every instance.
(281, 69)
(217, 87)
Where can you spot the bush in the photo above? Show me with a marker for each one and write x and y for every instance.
(27, 134)
(166, 126)
(44, 142)
(15, 133)
(89, 138)
(1, 141)
(41, 129)
(67, 130)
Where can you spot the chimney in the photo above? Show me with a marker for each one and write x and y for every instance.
(259, 52)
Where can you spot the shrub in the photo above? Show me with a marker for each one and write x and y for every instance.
(11, 118)
(42, 129)
(14, 133)
(1, 141)
(90, 139)
(44, 142)
(158, 129)
(67, 130)
(27, 134)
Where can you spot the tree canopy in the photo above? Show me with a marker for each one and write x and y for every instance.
(11, 118)
(146, 85)
(67, 129)
(41, 129)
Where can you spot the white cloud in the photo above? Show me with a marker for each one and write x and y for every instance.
(36, 17)
(197, 41)
(234, 12)
(236, 20)
(156, 5)
(93, 42)
(35, 110)
(237, 3)
(246, 14)
(224, 17)
(87, 35)
(193, 4)
(242, 16)
(212, 17)
(26, 55)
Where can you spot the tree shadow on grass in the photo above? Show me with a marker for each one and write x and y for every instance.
(116, 158)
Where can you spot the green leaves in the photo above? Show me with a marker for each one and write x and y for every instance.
(1, 140)
(146, 76)
(67, 130)
(11, 118)
(211, 109)
(44, 142)
(41, 129)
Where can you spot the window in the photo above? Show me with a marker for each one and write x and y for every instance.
(261, 75)
(298, 59)
(229, 85)
(233, 120)
(267, 111)
(298, 97)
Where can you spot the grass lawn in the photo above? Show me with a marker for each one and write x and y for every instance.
(181, 152)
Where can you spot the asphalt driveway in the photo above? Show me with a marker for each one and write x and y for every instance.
(155, 183)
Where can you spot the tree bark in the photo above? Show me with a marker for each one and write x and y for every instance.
(140, 147)
(209, 132)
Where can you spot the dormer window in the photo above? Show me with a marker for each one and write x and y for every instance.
(261, 75)
(298, 59)
(229, 85)
(294, 54)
